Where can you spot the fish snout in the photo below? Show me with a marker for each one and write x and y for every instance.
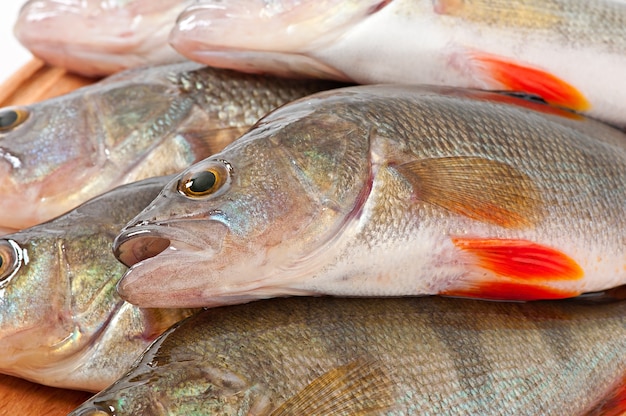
(144, 240)
(133, 246)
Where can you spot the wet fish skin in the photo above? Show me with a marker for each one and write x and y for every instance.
(485, 44)
(437, 356)
(140, 123)
(97, 38)
(62, 322)
(387, 191)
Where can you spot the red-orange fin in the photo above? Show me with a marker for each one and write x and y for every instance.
(529, 101)
(507, 290)
(518, 77)
(482, 189)
(521, 260)
(614, 404)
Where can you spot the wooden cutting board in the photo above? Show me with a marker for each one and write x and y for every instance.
(20, 397)
(35, 82)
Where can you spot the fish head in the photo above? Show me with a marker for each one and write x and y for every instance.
(267, 36)
(38, 147)
(62, 322)
(94, 37)
(248, 222)
(53, 154)
(165, 390)
(57, 291)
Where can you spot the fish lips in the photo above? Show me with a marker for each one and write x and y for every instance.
(161, 256)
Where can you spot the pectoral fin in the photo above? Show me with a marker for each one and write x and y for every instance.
(479, 188)
(519, 270)
(357, 388)
(156, 321)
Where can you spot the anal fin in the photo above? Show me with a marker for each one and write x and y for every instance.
(513, 291)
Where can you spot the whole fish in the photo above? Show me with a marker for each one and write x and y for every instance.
(62, 322)
(140, 123)
(390, 190)
(407, 356)
(570, 52)
(95, 37)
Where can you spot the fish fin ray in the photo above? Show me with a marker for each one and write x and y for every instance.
(158, 320)
(520, 270)
(521, 259)
(529, 15)
(509, 291)
(361, 387)
(518, 77)
(535, 103)
(478, 188)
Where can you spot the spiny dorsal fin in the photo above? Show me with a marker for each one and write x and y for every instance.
(479, 188)
(358, 388)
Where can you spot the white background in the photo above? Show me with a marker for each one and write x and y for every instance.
(12, 54)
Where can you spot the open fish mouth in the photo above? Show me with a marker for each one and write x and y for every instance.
(134, 246)
(138, 243)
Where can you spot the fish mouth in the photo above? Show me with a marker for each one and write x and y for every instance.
(134, 246)
(138, 243)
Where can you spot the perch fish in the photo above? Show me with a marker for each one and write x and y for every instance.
(62, 322)
(95, 37)
(140, 123)
(570, 52)
(386, 191)
(401, 357)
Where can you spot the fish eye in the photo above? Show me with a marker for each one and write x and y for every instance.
(211, 179)
(10, 259)
(12, 117)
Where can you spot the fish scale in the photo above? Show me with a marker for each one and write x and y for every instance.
(61, 320)
(426, 356)
(134, 125)
(390, 190)
(526, 45)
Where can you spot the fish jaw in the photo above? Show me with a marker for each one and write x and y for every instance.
(112, 37)
(25, 206)
(275, 63)
(291, 30)
(286, 26)
(167, 268)
(277, 208)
